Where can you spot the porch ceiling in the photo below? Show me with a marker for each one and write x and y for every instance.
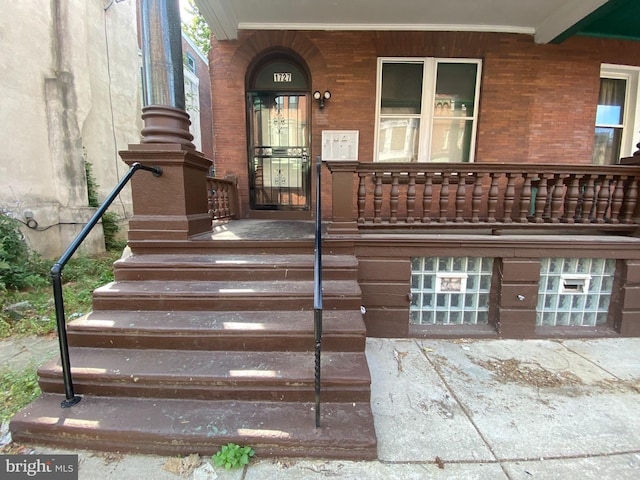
(547, 20)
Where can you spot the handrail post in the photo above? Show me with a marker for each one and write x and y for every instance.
(317, 291)
(56, 279)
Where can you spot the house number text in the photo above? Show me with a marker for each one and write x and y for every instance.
(284, 77)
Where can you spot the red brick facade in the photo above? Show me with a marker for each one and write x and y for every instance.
(537, 102)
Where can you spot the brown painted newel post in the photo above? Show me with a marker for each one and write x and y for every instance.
(633, 159)
(343, 220)
(174, 206)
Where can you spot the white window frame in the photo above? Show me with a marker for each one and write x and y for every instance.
(190, 63)
(426, 117)
(631, 117)
(192, 105)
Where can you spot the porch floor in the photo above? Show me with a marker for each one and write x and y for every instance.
(269, 230)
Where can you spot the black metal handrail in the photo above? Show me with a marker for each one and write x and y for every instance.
(317, 289)
(56, 278)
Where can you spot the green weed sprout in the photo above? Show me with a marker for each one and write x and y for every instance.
(233, 456)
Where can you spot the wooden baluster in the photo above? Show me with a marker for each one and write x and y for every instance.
(557, 194)
(587, 199)
(216, 202)
(411, 197)
(525, 198)
(210, 194)
(630, 201)
(602, 203)
(227, 200)
(541, 199)
(222, 200)
(571, 199)
(509, 196)
(461, 196)
(393, 198)
(493, 197)
(617, 198)
(362, 196)
(444, 197)
(476, 199)
(377, 199)
(427, 197)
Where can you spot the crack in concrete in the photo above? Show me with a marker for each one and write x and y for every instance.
(463, 407)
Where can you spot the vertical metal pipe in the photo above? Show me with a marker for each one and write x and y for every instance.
(70, 398)
(317, 292)
(162, 53)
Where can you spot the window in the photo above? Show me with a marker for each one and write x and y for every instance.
(574, 291)
(427, 109)
(192, 105)
(190, 62)
(450, 290)
(616, 114)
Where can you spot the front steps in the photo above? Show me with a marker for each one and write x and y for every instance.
(170, 426)
(185, 352)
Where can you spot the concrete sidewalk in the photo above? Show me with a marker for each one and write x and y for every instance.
(482, 409)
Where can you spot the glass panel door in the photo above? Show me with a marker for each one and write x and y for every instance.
(279, 151)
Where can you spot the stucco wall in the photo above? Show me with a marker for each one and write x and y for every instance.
(71, 90)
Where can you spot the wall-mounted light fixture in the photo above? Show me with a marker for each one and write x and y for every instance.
(321, 97)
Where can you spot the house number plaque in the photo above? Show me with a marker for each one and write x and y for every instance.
(282, 77)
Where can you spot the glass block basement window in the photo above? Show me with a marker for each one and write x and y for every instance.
(450, 290)
(574, 291)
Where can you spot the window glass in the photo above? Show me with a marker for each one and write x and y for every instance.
(451, 140)
(401, 88)
(606, 145)
(455, 89)
(398, 139)
(610, 109)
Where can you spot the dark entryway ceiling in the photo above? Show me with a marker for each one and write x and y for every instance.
(618, 19)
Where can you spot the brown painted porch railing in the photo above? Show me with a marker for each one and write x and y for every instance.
(222, 197)
(487, 195)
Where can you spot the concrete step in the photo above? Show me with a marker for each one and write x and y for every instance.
(182, 427)
(206, 375)
(225, 296)
(343, 330)
(232, 267)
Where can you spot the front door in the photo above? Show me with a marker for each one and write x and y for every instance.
(279, 153)
(278, 134)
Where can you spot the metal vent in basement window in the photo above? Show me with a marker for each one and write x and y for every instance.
(574, 291)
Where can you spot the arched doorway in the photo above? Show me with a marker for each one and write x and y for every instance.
(278, 134)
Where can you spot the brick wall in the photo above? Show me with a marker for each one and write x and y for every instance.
(537, 102)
